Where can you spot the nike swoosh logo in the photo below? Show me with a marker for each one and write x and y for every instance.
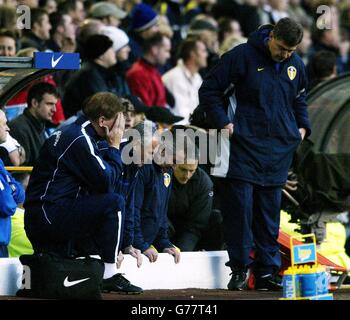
(54, 62)
(68, 283)
(261, 69)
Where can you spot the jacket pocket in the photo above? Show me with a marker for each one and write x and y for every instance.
(250, 125)
(285, 125)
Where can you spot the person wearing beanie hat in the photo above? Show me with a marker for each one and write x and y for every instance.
(120, 41)
(98, 45)
(108, 13)
(143, 17)
(143, 25)
(96, 75)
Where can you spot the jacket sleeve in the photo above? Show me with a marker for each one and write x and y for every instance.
(197, 216)
(140, 191)
(100, 174)
(129, 221)
(300, 105)
(162, 240)
(8, 203)
(211, 93)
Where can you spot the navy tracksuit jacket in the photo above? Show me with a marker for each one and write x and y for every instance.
(152, 194)
(270, 107)
(267, 109)
(11, 194)
(71, 193)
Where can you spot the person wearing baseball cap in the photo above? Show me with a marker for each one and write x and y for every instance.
(108, 13)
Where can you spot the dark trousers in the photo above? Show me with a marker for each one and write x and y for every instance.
(251, 218)
(89, 224)
(3, 251)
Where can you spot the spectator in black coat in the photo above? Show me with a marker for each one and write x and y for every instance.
(95, 76)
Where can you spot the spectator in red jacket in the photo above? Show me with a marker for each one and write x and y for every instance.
(144, 78)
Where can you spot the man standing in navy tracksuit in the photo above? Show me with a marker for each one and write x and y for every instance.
(266, 120)
(71, 198)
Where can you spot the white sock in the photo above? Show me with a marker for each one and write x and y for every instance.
(110, 270)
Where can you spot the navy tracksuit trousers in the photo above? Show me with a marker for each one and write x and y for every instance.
(251, 219)
(92, 224)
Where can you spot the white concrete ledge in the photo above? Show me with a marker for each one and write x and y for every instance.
(205, 270)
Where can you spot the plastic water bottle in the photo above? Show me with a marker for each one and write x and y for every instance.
(289, 288)
(321, 280)
(308, 282)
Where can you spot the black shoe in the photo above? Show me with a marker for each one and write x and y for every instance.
(238, 280)
(268, 283)
(118, 283)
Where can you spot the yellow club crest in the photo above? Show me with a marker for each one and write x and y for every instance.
(292, 72)
(167, 179)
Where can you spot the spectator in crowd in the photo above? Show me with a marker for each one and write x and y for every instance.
(143, 25)
(7, 43)
(74, 8)
(11, 194)
(184, 80)
(32, 4)
(39, 31)
(261, 143)
(230, 43)
(330, 40)
(136, 111)
(322, 67)
(151, 206)
(11, 152)
(296, 10)
(228, 28)
(95, 75)
(207, 32)
(305, 45)
(8, 18)
(144, 78)
(49, 5)
(88, 28)
(79, 208)
(108, 13)
(29, 127)
(62, 33)
(163, 117)
(191, 198)
(122, 49)
(276, 10)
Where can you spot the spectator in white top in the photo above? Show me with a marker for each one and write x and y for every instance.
(183, 81)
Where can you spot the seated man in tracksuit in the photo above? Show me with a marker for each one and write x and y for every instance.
(71, 199)
(152, 192)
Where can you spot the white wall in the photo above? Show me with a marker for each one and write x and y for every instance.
(204, 270)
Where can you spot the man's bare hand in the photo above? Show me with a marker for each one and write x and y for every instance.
(151, 254)
(291, 185)
(174, 252)
(230, 128)
(120, 259)
(302, 133)
(115, 134)
(136, 253)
